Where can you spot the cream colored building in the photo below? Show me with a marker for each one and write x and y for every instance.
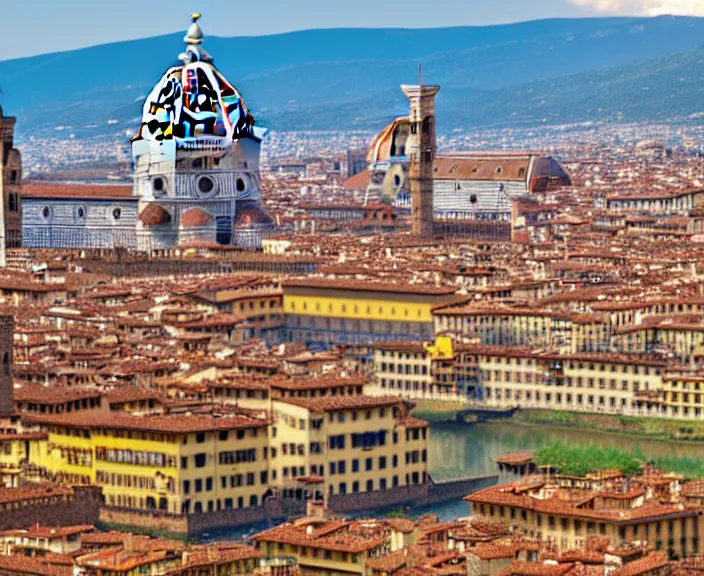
(622, 510)
(507, 377)
(347, 444)
(605, 383)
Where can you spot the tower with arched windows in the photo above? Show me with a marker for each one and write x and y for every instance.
(10, 184)
(421, 149)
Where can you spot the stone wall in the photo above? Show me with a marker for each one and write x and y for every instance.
(417, 493)
(148, 521)
(276, 509)
(445, 490)
(82, 507)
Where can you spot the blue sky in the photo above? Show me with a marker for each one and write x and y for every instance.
(37, 26)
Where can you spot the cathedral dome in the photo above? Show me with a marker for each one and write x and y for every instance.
(195, 218)
(390, 142)
(194, 102)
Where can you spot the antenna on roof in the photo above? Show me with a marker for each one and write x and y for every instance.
(420, 74)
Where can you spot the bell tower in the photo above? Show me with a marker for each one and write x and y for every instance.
(421, 149)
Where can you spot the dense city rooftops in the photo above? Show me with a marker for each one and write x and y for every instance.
(589, 504)
(340, 535)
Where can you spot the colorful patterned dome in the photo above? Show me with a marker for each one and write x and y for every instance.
(194, 101)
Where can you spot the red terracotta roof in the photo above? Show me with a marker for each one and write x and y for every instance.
(357, 182)
(536, 569)
(355, 285)
(195, 218)
(332, 535)
(646, 565)
(338, 403)
(515, 458)
(174, 424)
(154, 215)
(76, 191)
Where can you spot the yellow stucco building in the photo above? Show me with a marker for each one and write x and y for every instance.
(175, 464)
(348, 312)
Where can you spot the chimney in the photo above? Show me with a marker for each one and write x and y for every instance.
(315, 508)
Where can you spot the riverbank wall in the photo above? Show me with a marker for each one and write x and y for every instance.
(441, 412)
(278, 510)
(654, 428)
(438, 411)
(456, 489)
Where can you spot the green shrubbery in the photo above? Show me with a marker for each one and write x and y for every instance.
(582, 459)
(690, 468)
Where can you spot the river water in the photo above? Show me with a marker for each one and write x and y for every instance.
(457, 450)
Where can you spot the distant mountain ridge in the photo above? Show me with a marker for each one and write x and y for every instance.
(510, 75)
